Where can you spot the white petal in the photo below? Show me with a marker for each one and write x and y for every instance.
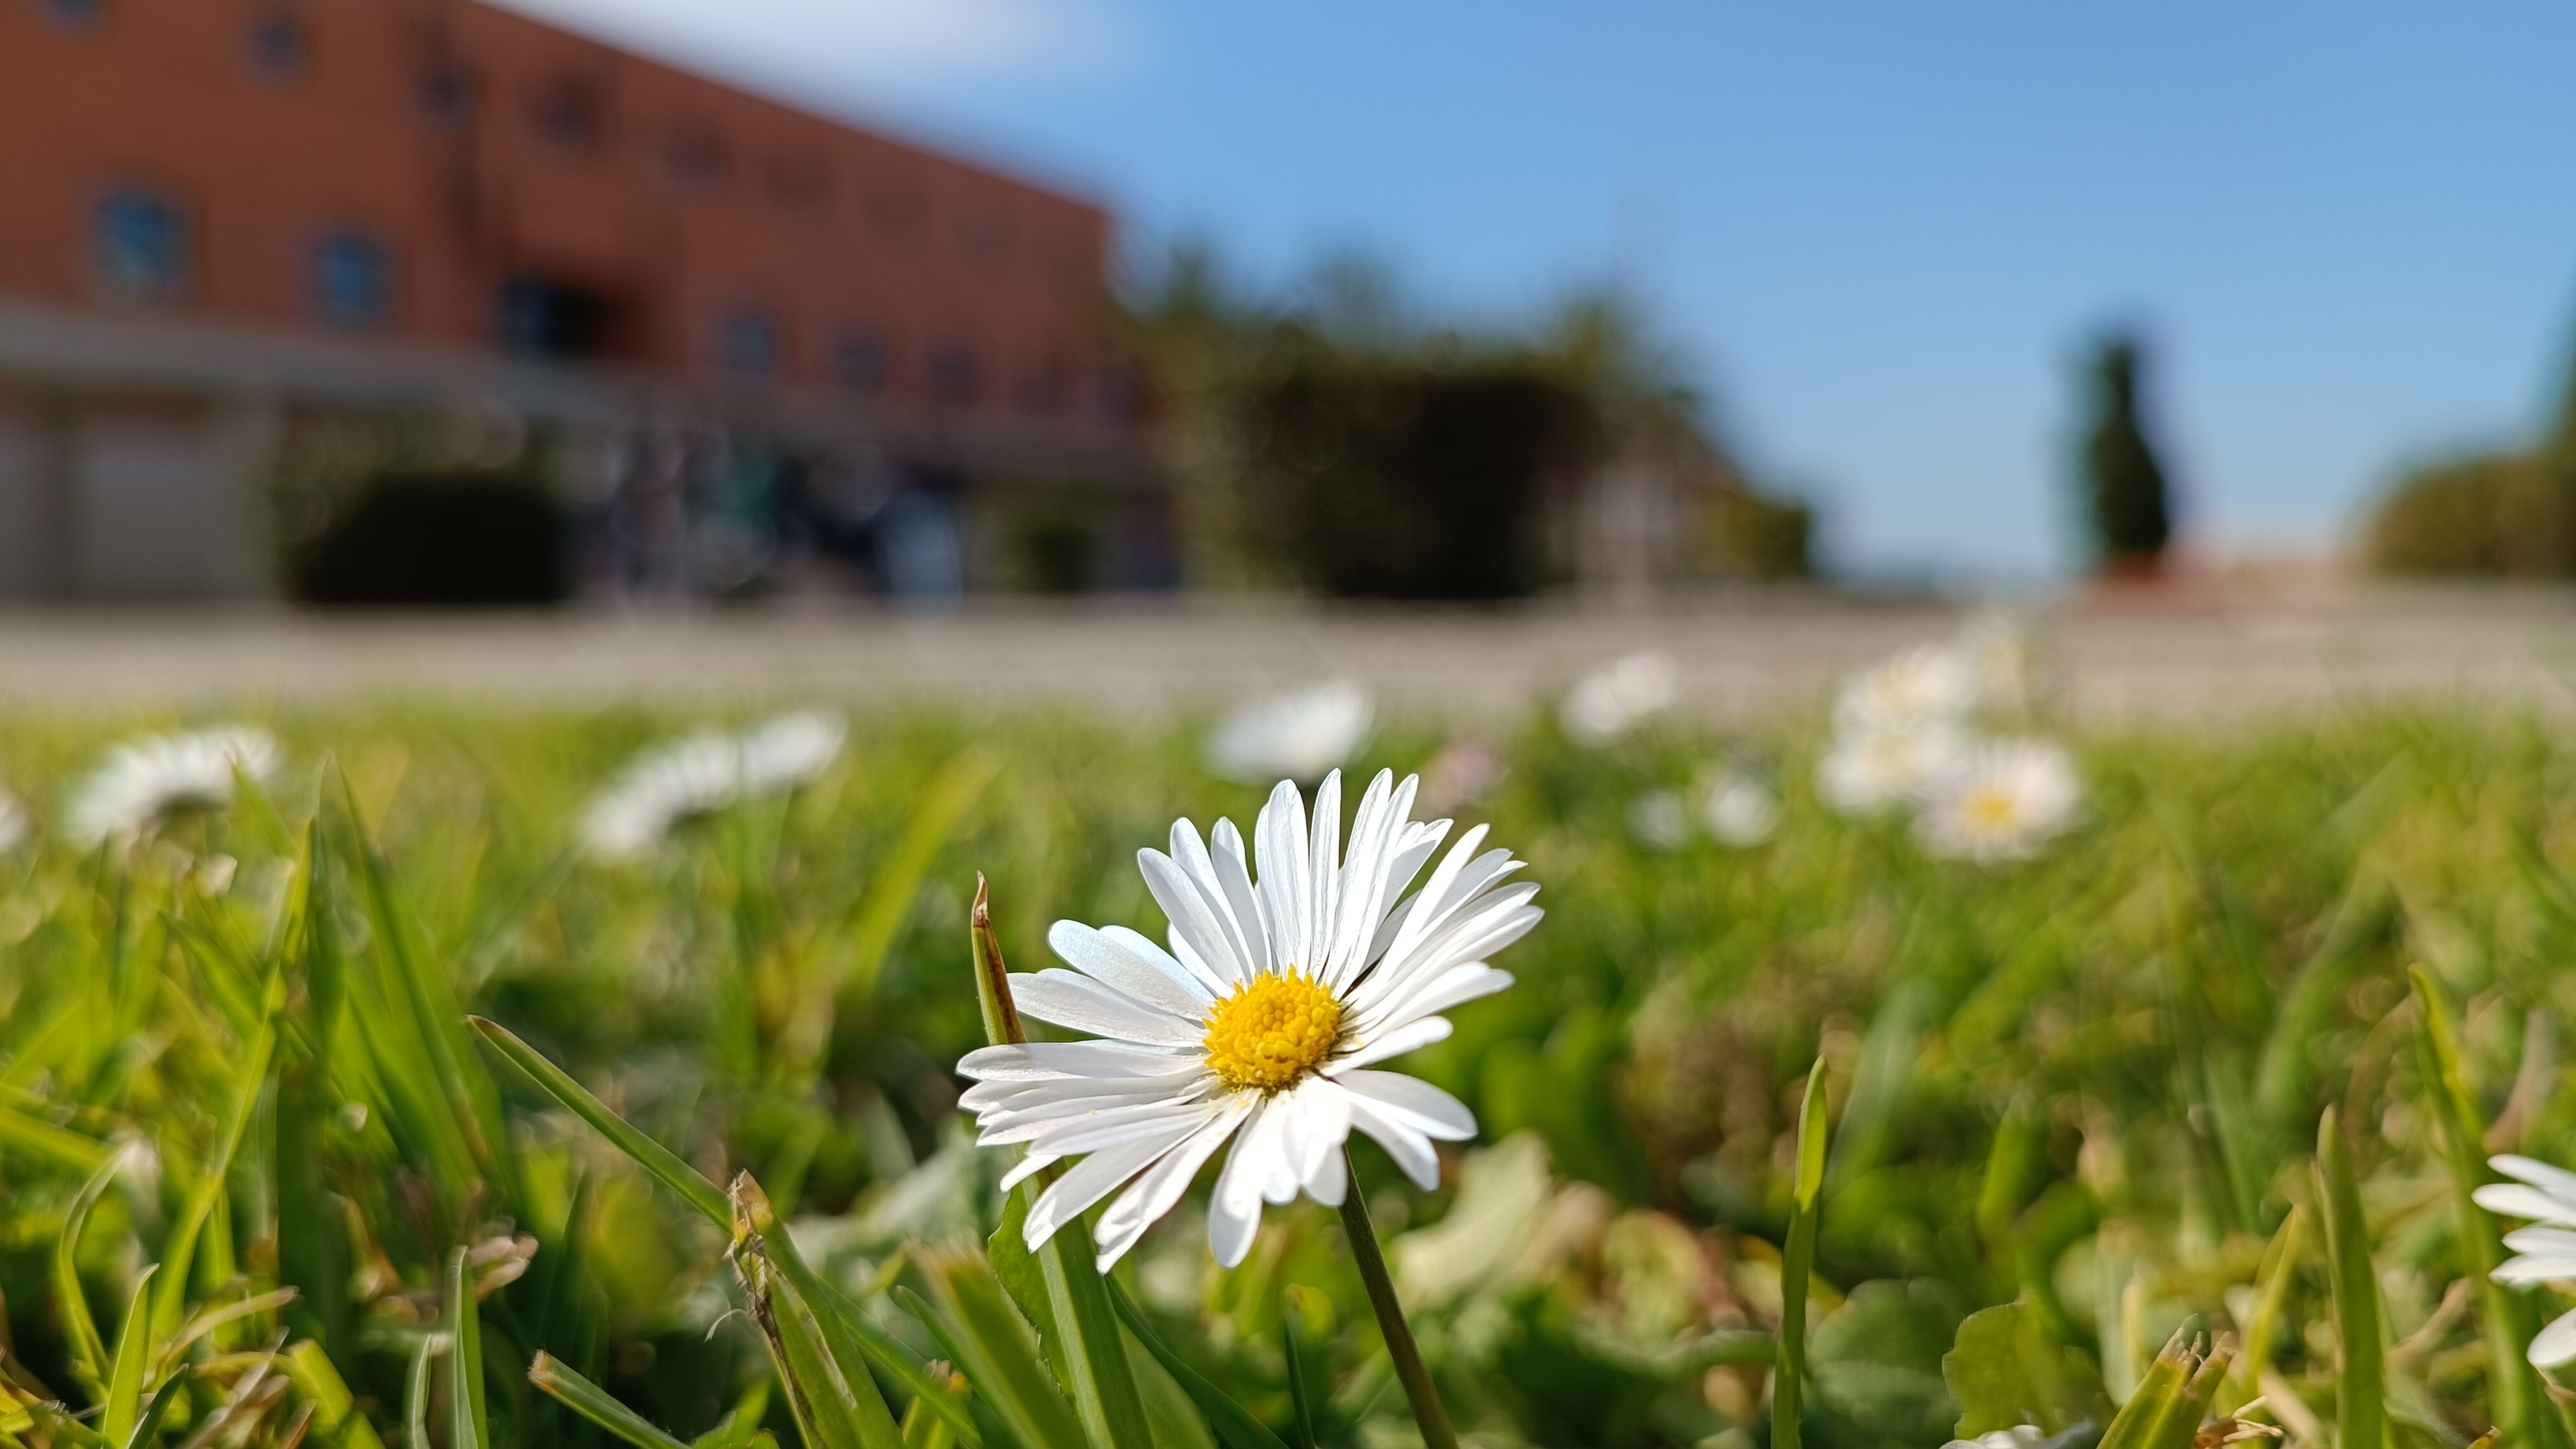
(1242, 937)
(997, 1103)
(1412, 1036)
(1068, 999)
(1095, 1177)
(2537, 1268)
(1411, 1150)
(2556, 1181)
(1028, 1167)
(1234, 877)
(2542, 1240)
(1092, 1131)
(1043, 1061)
(1234, 1210)
(1317, 1118)
(1324, 856)
(1113, 963)
(1357, 910)
(1454, 987)
(1420, 1105)
(2555, 1344)
(1279, 845)
(2517, 1201)
(1194, 921)
(1153, 1194)
(1024, 1120)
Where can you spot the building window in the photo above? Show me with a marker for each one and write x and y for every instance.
(75, 14)
(278, 47)
(801, 184)
(142, 244)
(861, 358)
(747, 342)
(544, 317)
(447, 95)
(566, 116)
(353, 280)
(952, 370)
(694, 159)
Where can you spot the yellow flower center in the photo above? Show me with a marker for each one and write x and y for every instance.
(1991, 809)
(1272, 1031)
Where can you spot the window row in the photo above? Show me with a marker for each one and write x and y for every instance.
(144, 245)
(276, 44)
(569, 116)
(143, 249)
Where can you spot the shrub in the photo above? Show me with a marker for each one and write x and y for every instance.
(456, 538)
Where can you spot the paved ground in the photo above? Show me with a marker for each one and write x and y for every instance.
(2208, 656)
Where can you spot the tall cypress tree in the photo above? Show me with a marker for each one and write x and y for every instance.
(2132, 520)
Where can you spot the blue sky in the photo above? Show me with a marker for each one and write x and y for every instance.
(1882, 230)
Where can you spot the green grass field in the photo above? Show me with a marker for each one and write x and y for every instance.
(2088, 1086)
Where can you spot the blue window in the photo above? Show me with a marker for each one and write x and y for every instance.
(954, 371)
(860, 357)
(142, 244)
(277, 46)
(353, 280)
(76, 14)
(748, 342)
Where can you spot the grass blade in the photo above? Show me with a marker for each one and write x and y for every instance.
(1235, 1426)
(1301, 1394)
(89, 1353)
(664, 1164)
(1083, 1339)
(469, 1422)
(1797, 1263)
(2271, 1293)
(35, 1137)
(974, 1321)
(757, 1231)
(829, 1409)
(556, 1378)
(2515, 1392)
(179, 1251)
(898, 882)
(133, 1363)
(2361, 1395)
(153, 1413)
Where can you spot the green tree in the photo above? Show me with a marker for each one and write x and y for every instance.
(2132, 517)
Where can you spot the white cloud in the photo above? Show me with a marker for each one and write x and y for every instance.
(825, 46)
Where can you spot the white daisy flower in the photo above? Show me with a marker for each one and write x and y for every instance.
(791, 750)
(1869, 770)
(1259, 1025)
(1660, 820)
(2006, 799)
(1919, 687)
(2547, 1254)
(144, 783)
(689, 779)
(1297, 735)
(1741, 811)
(1606, 705)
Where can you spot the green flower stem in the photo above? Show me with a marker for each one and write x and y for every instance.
(1427, 1409)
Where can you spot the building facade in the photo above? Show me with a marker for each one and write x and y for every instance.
(225, 224)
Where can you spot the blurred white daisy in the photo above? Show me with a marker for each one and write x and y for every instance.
(1870, 770)
(688, 779)
(1741, 811)
(1606, 705)
(13, 821)
(791, 750)
(1297, 735)
(1660, 820)
(2547, 1254)
(1280, 989)
(144, 783)
(2006, 799)
(1918, 687)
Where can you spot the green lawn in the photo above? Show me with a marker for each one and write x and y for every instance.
(2089, 1084)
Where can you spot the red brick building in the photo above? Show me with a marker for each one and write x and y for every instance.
(221, 220)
